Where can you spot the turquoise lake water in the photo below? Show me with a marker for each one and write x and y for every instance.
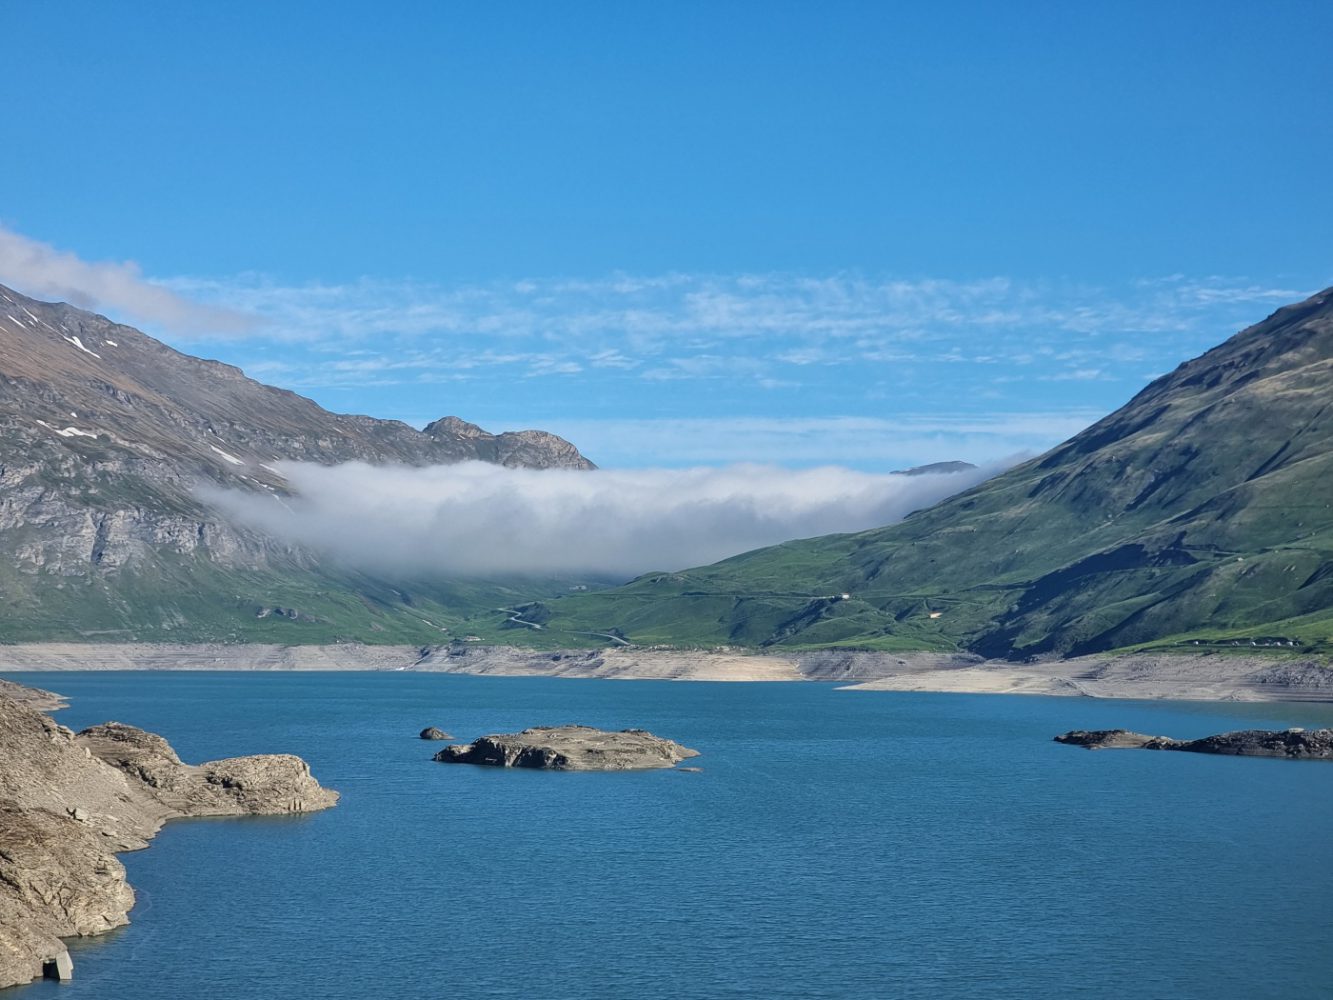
(837, 844)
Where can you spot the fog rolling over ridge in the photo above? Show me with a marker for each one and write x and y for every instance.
(478, 519)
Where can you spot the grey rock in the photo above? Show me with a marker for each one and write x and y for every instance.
(69, 802)
(431, 733)
(1301, 744)
(570, 748)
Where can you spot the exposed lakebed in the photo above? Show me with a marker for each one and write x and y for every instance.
(837, 845)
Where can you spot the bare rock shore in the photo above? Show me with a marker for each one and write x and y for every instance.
(69, 802)
(1294, 744)
(1180, 676)
(1205, 676)
(570, 748)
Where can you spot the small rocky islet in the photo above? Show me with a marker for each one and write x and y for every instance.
(570, 748)
(1294, 744)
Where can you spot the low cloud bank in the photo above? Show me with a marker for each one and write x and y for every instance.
(476, 519)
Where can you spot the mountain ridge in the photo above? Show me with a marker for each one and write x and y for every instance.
(105, 433)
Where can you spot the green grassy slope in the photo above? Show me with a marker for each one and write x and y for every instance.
(1200, 511)
(193, 599)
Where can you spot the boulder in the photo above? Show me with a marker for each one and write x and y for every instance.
(431, 733)
(570, 748)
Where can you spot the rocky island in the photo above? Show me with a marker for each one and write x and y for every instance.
(1301, 744)
(69, 802)
(570, 748)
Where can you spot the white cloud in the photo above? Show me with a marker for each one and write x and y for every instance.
(1077, 375)
(478, 519)
(41, 271)
(626, 321)
(691, 339)
(641, 315)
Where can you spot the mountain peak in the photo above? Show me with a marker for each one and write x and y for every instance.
(453, 427)
(530, 448)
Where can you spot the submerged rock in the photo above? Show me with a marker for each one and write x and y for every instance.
(431, 733)
(1304, 744)
(570, 748)
(69, 802)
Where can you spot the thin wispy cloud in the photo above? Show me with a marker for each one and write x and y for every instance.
(645, 312)
(590, 356)
(765, 329)
(41, 271)
(479, 519)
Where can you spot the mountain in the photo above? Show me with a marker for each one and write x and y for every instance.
(105, 434)
(1197, 514)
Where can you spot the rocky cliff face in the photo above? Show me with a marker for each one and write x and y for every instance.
(69, 802)
(106, 433)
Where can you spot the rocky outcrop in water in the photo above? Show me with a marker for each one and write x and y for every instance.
(431, 733)
(69, 802)
(1300, 744)
(570, 748)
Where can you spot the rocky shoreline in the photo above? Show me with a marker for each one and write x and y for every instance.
(69, 802)
(1206, 676)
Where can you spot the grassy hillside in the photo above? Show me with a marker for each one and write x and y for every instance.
(184, 599)
(1202, 511)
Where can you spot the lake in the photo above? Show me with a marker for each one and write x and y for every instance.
(836, 844)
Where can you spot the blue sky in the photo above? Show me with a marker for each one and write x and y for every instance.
(867, 234)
